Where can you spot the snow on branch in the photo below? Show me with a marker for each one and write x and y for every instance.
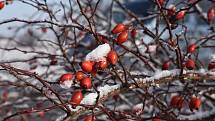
(99, 53)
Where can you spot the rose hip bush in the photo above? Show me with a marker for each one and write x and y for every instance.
(76, 60)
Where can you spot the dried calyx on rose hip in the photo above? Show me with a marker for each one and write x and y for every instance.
(133, 33)
(76, 98)
(87, 66)
(195, 103)
(86, 83)
(119, 28)
(66, 80)
(177, 102)
(89, 118)
(112, 57)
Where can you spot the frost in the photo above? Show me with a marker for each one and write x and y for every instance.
(99, 53)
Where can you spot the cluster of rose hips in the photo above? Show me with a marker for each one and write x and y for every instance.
(2, 3)
(175, 16)
(190, 63)
(122, 31)
(178, 102)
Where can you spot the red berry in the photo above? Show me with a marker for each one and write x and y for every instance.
(76, 98)
(119, 28)
(86, 83)
(180, 15)
(66, 77)
(122, 37)
(190, 64)
(211, 14)
(41, 114)
(177, 102)
(211, 65)
(87, 66)
(195, 103)
(133, 33)
(79, 75)
(2, 4)
(166, 65)
(161, 2)
(102, 64)
(156, 118)
(191, 48)
(89, 118)
(112, 57)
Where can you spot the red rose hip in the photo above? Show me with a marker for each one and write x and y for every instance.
(66, 77)
(191, 48)
(211, 65)
(122, 37)
(166, 65)
(119, 28)
(86, 83)
(89, 118)
(87, 66)
(190, 64)
(112, 57)
(195, 103)
(210, 14)
(76, 98)
(79, 75)
(2, 4)
(177, 102)
(180, 15)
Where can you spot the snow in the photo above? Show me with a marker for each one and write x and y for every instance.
(212, 58)
(66, 84)
(99, 53)
(161, 74)
(60, 118)
(137, 109)
(198, 115)
(152, 48)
